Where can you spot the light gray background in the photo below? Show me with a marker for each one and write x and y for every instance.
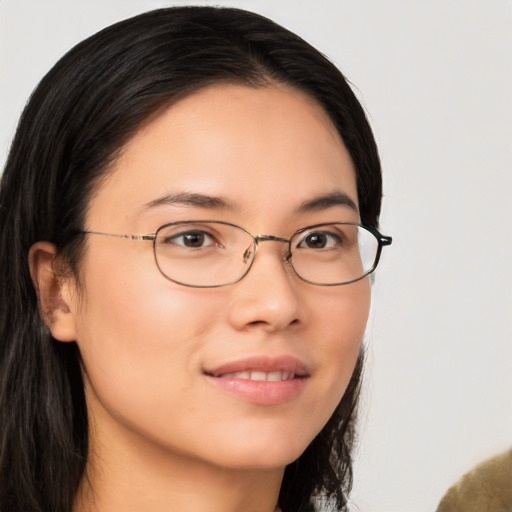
(436, 79)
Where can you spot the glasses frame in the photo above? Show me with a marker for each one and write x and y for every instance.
(382, 241)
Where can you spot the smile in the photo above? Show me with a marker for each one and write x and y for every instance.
(261, 380)
(259, 376)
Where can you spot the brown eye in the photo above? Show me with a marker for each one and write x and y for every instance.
(193, 239)
(319, 240)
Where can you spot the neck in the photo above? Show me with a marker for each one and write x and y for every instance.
(132, 475)
(187, 492)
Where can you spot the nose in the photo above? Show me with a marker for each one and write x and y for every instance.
(268, 297)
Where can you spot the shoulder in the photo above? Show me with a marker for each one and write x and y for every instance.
(487, 488)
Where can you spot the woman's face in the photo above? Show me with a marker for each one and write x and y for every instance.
(174, 367)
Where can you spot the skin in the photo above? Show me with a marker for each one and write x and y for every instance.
(162, 436)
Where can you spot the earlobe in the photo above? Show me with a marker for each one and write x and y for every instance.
(53, 292)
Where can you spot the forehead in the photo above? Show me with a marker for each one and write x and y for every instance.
(255, 147)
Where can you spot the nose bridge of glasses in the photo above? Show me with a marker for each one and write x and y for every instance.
(272, 238)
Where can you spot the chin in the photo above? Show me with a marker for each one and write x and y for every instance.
(265, 442)
(276, 453)
(267, 462)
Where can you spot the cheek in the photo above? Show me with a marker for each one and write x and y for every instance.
(344, 316)
(139, 333)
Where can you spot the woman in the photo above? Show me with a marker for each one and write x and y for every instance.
(150, 359)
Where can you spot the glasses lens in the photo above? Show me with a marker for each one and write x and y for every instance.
(334, 253)
(205, 254)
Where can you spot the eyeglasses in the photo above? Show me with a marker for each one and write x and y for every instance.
(208, 254)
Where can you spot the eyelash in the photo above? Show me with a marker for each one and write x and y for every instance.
(195, 232)
(336, 239)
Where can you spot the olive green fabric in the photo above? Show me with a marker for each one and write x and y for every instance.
(487, 488)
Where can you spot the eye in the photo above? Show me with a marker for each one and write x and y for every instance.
(319, 240)
(195, 239)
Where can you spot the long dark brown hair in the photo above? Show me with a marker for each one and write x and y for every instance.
(77, 120)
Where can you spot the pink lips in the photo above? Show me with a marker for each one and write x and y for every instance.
(261, 380)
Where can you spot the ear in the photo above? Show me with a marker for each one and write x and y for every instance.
(54, 292)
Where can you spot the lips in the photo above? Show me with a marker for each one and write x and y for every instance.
(259, 375)
(261, 364)
(261, 380)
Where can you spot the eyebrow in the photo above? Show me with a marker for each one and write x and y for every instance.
(191, 199)
(336, 198)
(320, 203)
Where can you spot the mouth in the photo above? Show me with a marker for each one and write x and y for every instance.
(257, 375)
(261, 380)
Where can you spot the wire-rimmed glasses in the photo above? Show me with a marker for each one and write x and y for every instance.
(210, 253)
